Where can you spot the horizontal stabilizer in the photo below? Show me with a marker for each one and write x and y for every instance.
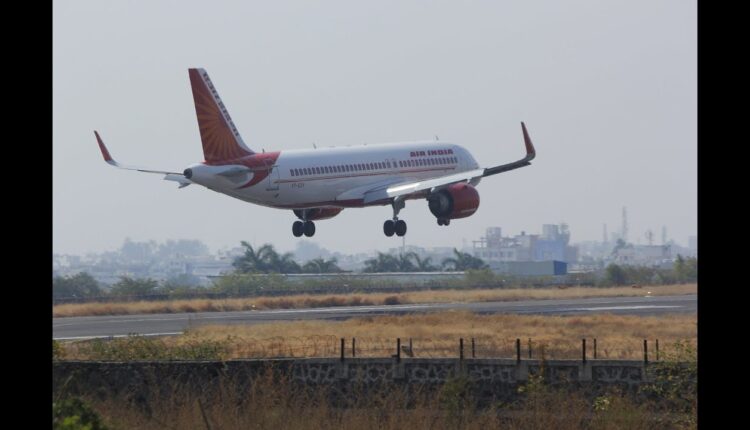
(180, 179)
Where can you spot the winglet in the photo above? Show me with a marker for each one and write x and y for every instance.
(108, 158)
(530, 151)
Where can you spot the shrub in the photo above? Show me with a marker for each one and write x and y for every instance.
(74, 414)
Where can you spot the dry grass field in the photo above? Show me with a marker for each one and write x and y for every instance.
(432, 335)
(274, 403)
(311, 301)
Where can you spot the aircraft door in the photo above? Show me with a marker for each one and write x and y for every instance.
(273, 179)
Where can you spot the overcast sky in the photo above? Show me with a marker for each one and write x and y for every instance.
(608, 91)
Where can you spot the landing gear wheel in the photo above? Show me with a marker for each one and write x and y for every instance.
(443, 221)
(309, 228)
(389, 227)
(298, 228)
(400, 227)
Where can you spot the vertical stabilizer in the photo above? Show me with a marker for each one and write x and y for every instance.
(220, 138)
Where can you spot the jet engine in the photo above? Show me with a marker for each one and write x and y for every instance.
(455, 201)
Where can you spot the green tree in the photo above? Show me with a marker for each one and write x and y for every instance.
(128, 286)
(382, 263)
(321, 265)
(616, 275)
(404, 264)
(686, 269)
(265, 260)
(79, 285)
(462, 261)
(422, 265)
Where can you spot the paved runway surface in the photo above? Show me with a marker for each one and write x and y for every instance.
(162, 324)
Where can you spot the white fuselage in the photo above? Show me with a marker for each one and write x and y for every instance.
(334, 177)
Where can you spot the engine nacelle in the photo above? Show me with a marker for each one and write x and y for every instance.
(456, 201)
(316, 214)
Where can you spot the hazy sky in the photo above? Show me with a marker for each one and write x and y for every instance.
(607, 91)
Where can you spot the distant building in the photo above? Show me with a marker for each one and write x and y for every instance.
(551, 245)
(643, 255)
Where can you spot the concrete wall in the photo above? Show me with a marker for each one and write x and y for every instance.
(490, 379)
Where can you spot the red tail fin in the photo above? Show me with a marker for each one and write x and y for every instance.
(221, 140)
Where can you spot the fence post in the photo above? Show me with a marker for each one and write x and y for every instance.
(529, 348)
(645, 351)
(398, 350)
(342, 349)
(594, 348)
(354, 349)
(473, 350)
(411, 349)
(461, 349)
(518, 350)
(583, 349)
(657, 349)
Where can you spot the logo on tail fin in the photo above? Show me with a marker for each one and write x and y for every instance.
(220, 138)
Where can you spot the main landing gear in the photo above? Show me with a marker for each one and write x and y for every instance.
(307, 228)
(395, 225)
(304, 226)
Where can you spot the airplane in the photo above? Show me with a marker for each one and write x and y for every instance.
(318, 183)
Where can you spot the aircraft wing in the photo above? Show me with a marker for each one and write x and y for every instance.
(169, 175)
(404, 188)
(409, 187)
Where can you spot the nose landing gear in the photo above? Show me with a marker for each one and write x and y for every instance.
(397, 226)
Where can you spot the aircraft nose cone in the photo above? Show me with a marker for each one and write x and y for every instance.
(188, 173)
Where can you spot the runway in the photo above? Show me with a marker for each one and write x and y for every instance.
(168, 324)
